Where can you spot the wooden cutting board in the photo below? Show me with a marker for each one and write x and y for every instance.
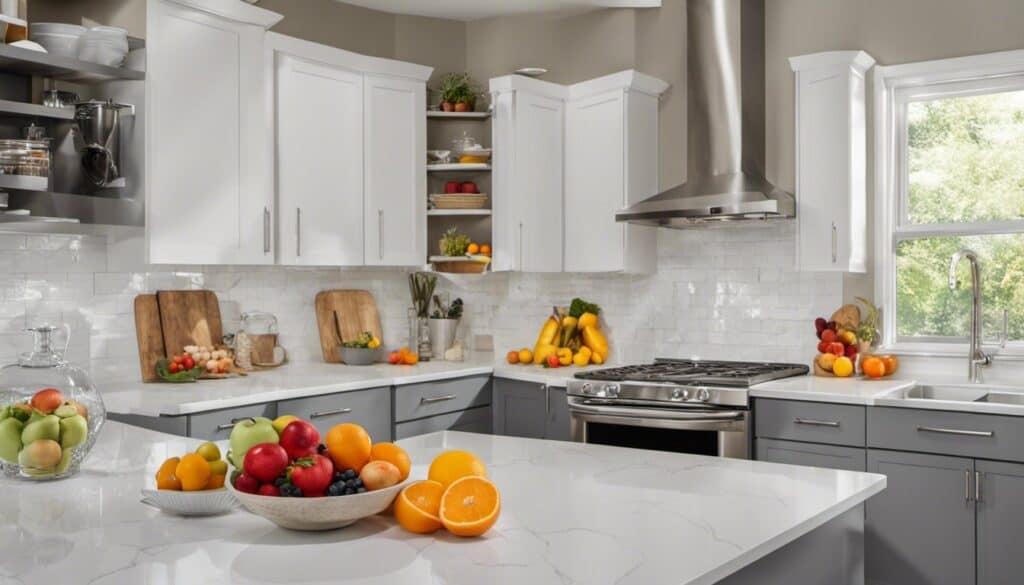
(343, 315)
(167, 321)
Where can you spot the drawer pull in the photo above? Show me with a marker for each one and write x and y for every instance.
(434, 399)
(967, 485)
(231, 425)
(816, 423)
(943, 431)
(324, 413)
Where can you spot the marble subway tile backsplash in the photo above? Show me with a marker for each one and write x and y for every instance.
(720, 293)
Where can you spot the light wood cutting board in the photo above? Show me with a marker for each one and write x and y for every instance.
(344, 312)
(150, 336)
(167, 321)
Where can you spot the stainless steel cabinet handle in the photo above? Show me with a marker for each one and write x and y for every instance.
(816, 423)
(266, 230)
(977, 486)
(967, 486)
(433, 399)
(943, 431)
(835, 243)
(298, 232)
(232, 424)
(380, 234)
(324, 413)
(547, 400)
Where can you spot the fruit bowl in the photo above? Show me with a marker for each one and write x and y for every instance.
(198, 503)
(324, 513)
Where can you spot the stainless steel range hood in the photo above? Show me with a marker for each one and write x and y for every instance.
(725, 124)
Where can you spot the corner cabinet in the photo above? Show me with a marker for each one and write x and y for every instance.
(528, 409)
(611, 162)
(208, 187)
(528, 135)
(831, 155)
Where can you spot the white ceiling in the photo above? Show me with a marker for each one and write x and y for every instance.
(477, 9)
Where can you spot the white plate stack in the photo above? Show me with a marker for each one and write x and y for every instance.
(105, 45)
(57, 38)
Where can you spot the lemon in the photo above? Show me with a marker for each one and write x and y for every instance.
(842, 367)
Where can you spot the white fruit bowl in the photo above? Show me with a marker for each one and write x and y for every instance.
(326, 513)
(200, 503)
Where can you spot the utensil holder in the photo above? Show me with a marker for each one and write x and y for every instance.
(442, 336)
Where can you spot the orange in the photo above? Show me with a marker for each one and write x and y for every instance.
(842, 367)
(411, 359)
(165, 478)
(485, 249)
(452, 465)
(473, 249)
(417, 506)
(194, 472)
(216, 481)
(525, 356)
(348, 445)
(470, 506)
(512, 357)
(892, 363)
(873, 367)
(394, 455)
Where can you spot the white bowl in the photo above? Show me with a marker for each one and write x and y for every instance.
(201, 503)
(103, 53)
(326, 513)
(60, 28)
(63, 44)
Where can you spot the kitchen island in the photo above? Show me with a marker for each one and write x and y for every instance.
(571, 513)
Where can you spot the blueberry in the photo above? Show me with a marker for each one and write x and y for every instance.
(335, 489)
(349, 491)
(290, 491)
(321, 448)
(338, 476)
(280, 481)
(358, 483)
(350, 483)
(351, 474)
(360, 490)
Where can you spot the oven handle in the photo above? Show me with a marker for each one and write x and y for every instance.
(578, 405)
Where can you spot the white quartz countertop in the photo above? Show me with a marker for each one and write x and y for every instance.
(858, 390)
(571, 513)
(298, 380)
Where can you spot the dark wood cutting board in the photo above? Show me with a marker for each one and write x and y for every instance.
(341, 315)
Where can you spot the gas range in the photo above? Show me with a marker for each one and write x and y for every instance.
(678, 383)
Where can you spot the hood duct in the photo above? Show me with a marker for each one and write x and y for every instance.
(725, 124)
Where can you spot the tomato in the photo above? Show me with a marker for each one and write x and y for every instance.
(312, 475)
(188, 363)
(174, 368)
(176, 359)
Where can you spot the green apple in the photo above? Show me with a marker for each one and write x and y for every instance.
(10, 439)
(40, 457)
(65, 461)
(65, 410)
(73, 431)
(249, 432)
(34, 416)
(47, 427)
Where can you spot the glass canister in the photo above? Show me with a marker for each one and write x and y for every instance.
(50, 412)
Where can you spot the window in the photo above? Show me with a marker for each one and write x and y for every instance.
(949, 175)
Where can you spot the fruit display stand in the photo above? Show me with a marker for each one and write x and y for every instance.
(460, 264)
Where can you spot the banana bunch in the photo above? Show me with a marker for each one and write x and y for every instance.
(573, 336)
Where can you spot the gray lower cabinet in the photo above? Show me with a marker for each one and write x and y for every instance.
(459, 404)
(369, 408)
(810, 454)
(529, 409)
(1000, 506)
(921, 529)
(474, 420)
(217, 424)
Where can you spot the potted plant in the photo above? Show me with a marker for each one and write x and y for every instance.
(458, 93)
(444, 322)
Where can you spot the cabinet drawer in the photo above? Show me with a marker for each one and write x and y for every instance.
(474, 420)
(432, 398)
(983, 436)
(811, 454)
(813, 422)
(217, 424)
(370, 409)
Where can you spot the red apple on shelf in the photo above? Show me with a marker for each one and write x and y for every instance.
(469, 187)
(452, 187)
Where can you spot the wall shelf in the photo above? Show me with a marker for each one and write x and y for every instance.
(459, 115)
(449, 212)
(24, 182)
(12, 108)
(459, 167)
(26, 62)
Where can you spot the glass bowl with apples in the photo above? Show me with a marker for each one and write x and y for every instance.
(285, 473)
(50, 412)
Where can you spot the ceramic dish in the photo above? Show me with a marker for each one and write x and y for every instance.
(325, 513)
(202, 503)
(357, 356)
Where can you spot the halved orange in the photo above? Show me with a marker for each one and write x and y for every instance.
(416, 507)
(452, 465)
(470, 506)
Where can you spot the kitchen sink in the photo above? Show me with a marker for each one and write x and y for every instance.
(949, 393)
(1002, 398)
(978, 398)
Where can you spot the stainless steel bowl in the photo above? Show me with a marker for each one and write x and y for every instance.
(358, 356)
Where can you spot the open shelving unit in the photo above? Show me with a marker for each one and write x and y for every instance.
(26, 62)
(459, 115)
(458, 167)
(457, 212)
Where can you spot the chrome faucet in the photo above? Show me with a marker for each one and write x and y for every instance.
(975, 356)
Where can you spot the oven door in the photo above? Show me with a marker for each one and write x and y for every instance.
(701, 431)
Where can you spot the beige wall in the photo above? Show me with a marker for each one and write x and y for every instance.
(128, 14)
(892, 31)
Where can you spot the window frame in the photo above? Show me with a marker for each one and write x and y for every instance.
(895, 86)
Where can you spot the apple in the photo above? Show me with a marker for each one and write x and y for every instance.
(247, 484)
(823, 346)
(379, 474)
(553, 362)
(10, 439)
(40, 457)
(828, 336)
(848, 337)
(46, 428)
(265, 461)
(299, 439)
(452, 187)
(249, 432)
(469, 187)
(268, 489)
(48, 400)
(851, 352)
(73, 431)
(837, 348)
(819, 324)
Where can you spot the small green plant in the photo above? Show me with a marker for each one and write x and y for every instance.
(453, 243)
(458, 88)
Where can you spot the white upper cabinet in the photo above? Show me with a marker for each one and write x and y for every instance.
(395, 174)
(611, 162)
(319, 152)
(831, 153)
(528, 135)
(209, 196)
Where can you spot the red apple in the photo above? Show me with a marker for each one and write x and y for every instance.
(828, 336)
(851, 351)
(823, 346)
(265, 461)
(48, 400)
(469, 187)
(837, 348)
(299, 439)
(452, 187)
(268, 489)
(247, 484)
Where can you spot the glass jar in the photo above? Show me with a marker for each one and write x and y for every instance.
(50, 412)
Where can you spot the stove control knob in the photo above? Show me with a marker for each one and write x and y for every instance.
(585, 388)
(611, 390)
(703, 395)
(680, 394)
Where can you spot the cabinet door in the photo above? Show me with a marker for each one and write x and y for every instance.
(537, 183)
(557, 427)
(520, 408)
(395, 214)
(216, 425)
(920, 529)
(811, 454)
(209, 197)
(370, 409)
(319, 163)
(1000, 517)
(473, 420)
(595, 183)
